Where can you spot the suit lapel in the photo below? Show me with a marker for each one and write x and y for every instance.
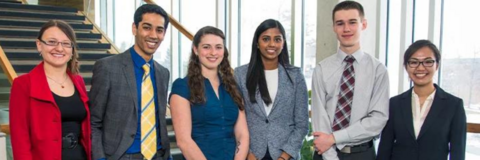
(41, 91)
(159, 78)
(129, 74)
(282, 80)
(406, 108)
(435, 110)
(260, 104)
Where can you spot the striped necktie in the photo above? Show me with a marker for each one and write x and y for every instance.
(148, 130)
(345, 97)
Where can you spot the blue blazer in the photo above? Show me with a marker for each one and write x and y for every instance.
(287, 124)
(442, 133)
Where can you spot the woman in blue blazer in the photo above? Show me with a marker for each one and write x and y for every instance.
(426, 123)
(275, 96)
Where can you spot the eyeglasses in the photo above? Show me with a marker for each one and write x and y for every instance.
(425, 63)
(55, 43)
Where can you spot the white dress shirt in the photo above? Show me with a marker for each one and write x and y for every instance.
(370, 99)
(420, 113)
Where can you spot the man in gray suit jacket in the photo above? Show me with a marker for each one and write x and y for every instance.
(116, 95)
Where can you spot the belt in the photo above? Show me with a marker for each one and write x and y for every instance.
(160, 153)
(69, 141)
(357, 148)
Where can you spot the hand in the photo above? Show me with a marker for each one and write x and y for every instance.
(251, 156)
(284, 156)
(323, 141)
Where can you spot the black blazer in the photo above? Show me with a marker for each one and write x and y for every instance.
(443, 132)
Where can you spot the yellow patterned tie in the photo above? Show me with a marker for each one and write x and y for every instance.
(149, 132)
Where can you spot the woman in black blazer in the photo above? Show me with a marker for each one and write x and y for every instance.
(426, 123)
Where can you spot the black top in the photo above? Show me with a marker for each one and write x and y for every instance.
(73, 113)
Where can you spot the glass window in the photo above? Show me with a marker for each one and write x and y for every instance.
(254, 12)
(309, 40)
(460, 72)
(194, 15)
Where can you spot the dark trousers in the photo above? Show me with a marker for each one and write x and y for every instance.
(139, 156)
(366, 155)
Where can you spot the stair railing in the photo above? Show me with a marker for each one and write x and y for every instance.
(113, 49)
(175, 23)
(7, 66)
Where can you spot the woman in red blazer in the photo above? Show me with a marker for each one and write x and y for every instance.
(49, 115)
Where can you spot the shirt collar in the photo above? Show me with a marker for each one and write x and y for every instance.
(429, 98)
(138, 61)
(358, 55)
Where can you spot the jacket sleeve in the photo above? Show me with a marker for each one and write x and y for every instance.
(295, 141)
(98, 99)
(19, 120)
(388, 137)
(458, 133)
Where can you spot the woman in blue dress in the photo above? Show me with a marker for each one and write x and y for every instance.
(207, 109)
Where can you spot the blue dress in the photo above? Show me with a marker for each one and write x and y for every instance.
(213, 122)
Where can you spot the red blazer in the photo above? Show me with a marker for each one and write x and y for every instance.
(35, 120)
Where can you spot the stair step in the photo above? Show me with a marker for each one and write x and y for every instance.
(19, 54)
(4, 105)
(35, 62)
(4, 93)
(35, 55)
(176, 153)
(30, 33)
(37, 7)
(21, 39)
(4, 81)
(11, 1)
(22, 8)
(30, 43)
(37, 24)
(29, 67)
(26, 15)
(12, 29)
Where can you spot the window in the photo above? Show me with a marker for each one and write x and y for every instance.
(254, 12)
(460, 72)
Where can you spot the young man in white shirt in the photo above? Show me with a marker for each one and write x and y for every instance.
(350, 93)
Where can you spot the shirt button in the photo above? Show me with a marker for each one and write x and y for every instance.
(266, 121)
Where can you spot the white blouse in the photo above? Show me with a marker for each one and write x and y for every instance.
(419, 114)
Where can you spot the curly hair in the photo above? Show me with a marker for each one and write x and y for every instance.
(196, 79)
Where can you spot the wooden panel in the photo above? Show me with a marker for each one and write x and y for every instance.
(5, 128)
(473, 127)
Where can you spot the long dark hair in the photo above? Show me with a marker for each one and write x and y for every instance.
(196, 79)
(72, 64)
(256, 73)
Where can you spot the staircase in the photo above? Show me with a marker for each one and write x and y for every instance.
(19, 27)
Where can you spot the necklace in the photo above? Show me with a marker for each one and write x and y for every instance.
(61, 84)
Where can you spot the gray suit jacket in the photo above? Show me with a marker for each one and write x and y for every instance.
(114, 103)
(287, 124)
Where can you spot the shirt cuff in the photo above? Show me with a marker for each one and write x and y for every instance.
(341, 136)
